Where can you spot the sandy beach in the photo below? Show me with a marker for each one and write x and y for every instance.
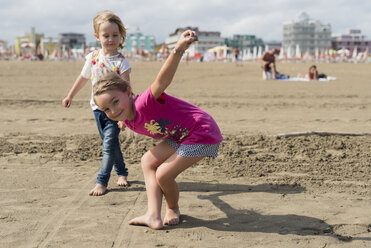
(264, 190)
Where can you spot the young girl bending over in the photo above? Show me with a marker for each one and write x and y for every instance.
(111, 33)
(188, 133)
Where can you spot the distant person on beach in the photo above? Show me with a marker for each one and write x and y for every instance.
(236, 53)
(187, 132)
(313, 73)
(268, 63)
(111, 33)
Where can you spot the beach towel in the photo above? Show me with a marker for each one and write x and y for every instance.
(299, 79)
(279, 76)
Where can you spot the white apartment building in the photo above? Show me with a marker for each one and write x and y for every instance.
(306, 34)
(206, 40)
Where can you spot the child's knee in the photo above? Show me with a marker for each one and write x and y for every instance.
(163, 177)
(147, 162)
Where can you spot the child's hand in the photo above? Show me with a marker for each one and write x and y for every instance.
(66, 102)
(185, 40)
(121, 125)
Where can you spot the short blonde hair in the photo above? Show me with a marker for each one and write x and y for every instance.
(109, 16)
(110, 81)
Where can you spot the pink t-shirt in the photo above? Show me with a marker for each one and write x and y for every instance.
(173, 119)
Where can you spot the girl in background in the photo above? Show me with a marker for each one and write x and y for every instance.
(111, 33)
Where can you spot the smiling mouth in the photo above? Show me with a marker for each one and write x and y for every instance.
(116, 117)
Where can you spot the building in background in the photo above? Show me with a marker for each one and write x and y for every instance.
(35, 45)
(206, 40)
(50, 47)
(352, 39)
(138, 43)
(306, 35)
(28, 45)
(72, 40)
(243, 42)
(72, 46)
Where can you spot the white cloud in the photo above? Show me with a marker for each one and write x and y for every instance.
(162, 17)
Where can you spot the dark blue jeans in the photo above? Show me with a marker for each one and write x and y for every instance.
(112, 156)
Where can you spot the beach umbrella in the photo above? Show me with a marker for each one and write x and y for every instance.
(27, 45)
(260, 51)
(327, 53)
(365, 55)
(216, 52)
(254, 52)
(316, 53)
(298, 52)
(249, 55)
(219, 49)
(343, 52)
(224, 51)
(197, 56)
(306, 55)
(209, 56)
(244, 54)
(289, 55)
(354, 56)
(282, 53)
(266, 49)
(362, 56)
(46, 53)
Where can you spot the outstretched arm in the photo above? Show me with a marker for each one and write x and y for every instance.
(167, 72)
(79, 83)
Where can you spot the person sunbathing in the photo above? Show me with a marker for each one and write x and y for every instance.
(313, 73)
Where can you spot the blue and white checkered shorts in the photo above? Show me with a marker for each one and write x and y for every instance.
(199, 150)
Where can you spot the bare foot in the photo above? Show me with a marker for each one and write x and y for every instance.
(98, 190)
(146, 220)
(122, 181)
(172, 216)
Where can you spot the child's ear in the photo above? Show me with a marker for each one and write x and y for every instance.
(130, 93)
(96, 36)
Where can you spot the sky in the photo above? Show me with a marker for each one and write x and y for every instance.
(162, 17)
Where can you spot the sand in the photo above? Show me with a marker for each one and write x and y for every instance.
(262, 191)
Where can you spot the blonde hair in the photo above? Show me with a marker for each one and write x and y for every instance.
(109, 16)
(110, 81)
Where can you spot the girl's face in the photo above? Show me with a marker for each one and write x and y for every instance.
(109, 36)
(116, 104)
